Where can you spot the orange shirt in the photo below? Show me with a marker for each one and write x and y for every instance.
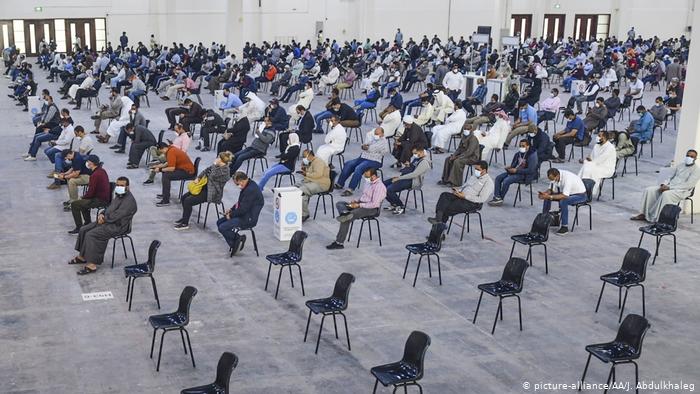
(179, 159)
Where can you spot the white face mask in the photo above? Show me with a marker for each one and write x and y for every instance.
(368, 180)
(478, 174)
(376, 137)
(415, 157)
(689, 161)
(522, 149)
(532, 135)
(597, 140)
(305, 161)
(120, 190)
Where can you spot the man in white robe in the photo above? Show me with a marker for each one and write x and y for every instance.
(601, 162)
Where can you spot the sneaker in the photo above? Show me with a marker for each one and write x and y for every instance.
(496, 202)
(241, 242)
(335, 245)
(25, 155)
(30, 158)
(148, 182)
(390, 208)
(66, 203)
(337, 186)
(53, 186)
(132, 166)
(399, 210)
(182, 226)
(433, 221)
(178, 221)
(74, 231)
(639, 217)
(562, 230)
(120, 151)
(159, 196)
(115, 146)
(346, 193)
(162, 203)
(205, 149)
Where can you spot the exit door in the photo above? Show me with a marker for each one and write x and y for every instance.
(553, 28)
(35, 31)
(80, 32)
(521, 25)
(7, 38)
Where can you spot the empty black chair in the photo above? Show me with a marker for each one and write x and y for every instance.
(190, 178)
(327, 193)
(465, 222)
(538, 235)
(144, 270)
(430, 248)
(510, 285)
(409, 370)
(589, 183)
(177, 320)
(333, 305)
(121, 237)
(227, 363)
(626, 348)
(665, 225)
(369, 220)
(632, 273)
(290, 258)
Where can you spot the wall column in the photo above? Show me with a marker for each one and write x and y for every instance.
(234, 27)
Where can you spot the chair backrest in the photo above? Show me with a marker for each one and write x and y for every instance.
(227, 363)
(160, 136)
(152, 251)
(636, 260)
(186, 297)
(333, 175)
(514, 271)
(342, 288)
(97, 84)
(112, 186)
(414, 351)
(436, 233)
(669, 216)
(296, 244)
(196, 165)
(692, 193)
(541, 224)
(589, 183)
(632, 331)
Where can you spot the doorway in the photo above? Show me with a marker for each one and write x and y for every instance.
(521, 25)
(35, 31)
(553, 28)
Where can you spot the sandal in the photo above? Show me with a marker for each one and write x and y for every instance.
(86, 270)
(77, 261)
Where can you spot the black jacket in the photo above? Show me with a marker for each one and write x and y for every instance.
(306, 128)
(280, 119)
(531, 164)
(250, 203)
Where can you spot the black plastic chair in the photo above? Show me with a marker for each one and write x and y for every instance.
(409, 370)
(291, 257)
(589, 183)
(415, 197)
(227, 363)
(430, 248)
(602, 183)
(280, 177)
(177, 320)
(538, 235)
(328, 193)
(144, 270)
(632, 273)
(206, 211)
(121, 237)
(465, 222)
(367, 219)
(255, 159)
(190, 178)
(626, 348)
(632, 155)
(510, 285)
(331, 306)
(666, 225)
(518, 193)
(161, 134)
(690, 199)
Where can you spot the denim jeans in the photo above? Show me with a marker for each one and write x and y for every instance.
(135, 93)
(408, 105)
(51, 153)
(363, 105)
(564, 206)
(38, 140)
(321, 116)
(59, 163)
(387, 86)
(226, 227)
(394, 188)
(356, 167)
(503, 182)
(272, 171)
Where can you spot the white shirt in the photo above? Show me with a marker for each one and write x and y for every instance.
(569, 184)
(336, 137)
(637, 85)
(453, 81)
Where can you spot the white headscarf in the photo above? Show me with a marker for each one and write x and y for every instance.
(293, 140)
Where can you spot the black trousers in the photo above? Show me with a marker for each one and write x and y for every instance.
(168, 177)
(449, 205)
(81, 210)
(189, 201)
(171, 113)
(561, 144)
(136, 151)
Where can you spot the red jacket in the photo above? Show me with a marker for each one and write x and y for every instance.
(98, 187)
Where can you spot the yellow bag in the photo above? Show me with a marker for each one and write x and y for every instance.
(195, 187)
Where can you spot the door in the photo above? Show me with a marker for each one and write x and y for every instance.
(36, 30)
(84, 29)
(521, 25)
(7, 38)
(553, 28)
(585, 26)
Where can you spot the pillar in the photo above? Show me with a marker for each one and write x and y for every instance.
(235, 39)
(501, 20)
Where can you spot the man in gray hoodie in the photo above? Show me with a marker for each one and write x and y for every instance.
(411, 178)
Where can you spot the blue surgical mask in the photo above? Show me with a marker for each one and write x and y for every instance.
(120, 190)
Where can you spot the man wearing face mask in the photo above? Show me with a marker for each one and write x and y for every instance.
(115, 220)
(258, 148)
(467, 198)
(642, 129)
(466, 154)
(142, 139)
(566, 188)
(684, 178)
(587, 94)
(596, 116)
(574, 131)
(549, 107)
(541, 143)
(316, 180)
(243, 215)
(411, 178)
(135, 118)
(523, 168)
(106, 111)
(372, 156)
(97, 194)
(601, 162)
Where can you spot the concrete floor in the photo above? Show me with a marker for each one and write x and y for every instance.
(53, 341)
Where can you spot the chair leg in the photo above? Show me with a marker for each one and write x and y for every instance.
(610, 375)
(114, 246)
(585, 369)
(417, 269)
(255, 243)
(600, 297)
(301, 279)
(335, 326)
(439, 270)
(520, 313)
(644, 307)
(155, 291)
(130, 295)
(675, 260)
(359, 235)
(291, 277)
(624, 302)
(160, 351)
(347, 333)
(405, 268)
(498, 312)
(320, 330)
(267, 280)
(153, 341)
(184, 345)
(430, 269)
(465, 221)
(376, 381)
(279, 278)
(511, 250)
(546, 263)
(190, 346)
(307, 326)
(476, 313)
(636, 377)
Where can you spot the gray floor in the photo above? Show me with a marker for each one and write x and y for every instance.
(52, 341)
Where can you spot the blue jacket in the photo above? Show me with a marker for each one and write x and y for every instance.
(396, 101)
(541, 144)
(250, 203)
(280, 119)
(531, 163)
(644, 127)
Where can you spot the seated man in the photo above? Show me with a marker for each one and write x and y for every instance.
(682, 181)
(304, 131)
(367, 205)
(642, 129)
(467, 198)
(229, 106)
(213, 123)
(411, 178)
(523, 168)
(412, 137)
(257, 148)
(587, 94)
(525, 123)
(476, 98)
(316, 180)
(442, 134)
(98, 195)
(182, 142)
(395, 103)
(77, 175)
(573, 132)
(601, 162)
(596, 116)
(487, 113)
(243, 215)
(234, 137)
(370, 101)
(334, 142)
(177, 166)
(566, 188)
(549, 107)
(348, 117)
(541, 143)
(142, 139)
(466, 154)
(372, 156)
(94, 237)
(323, 115)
